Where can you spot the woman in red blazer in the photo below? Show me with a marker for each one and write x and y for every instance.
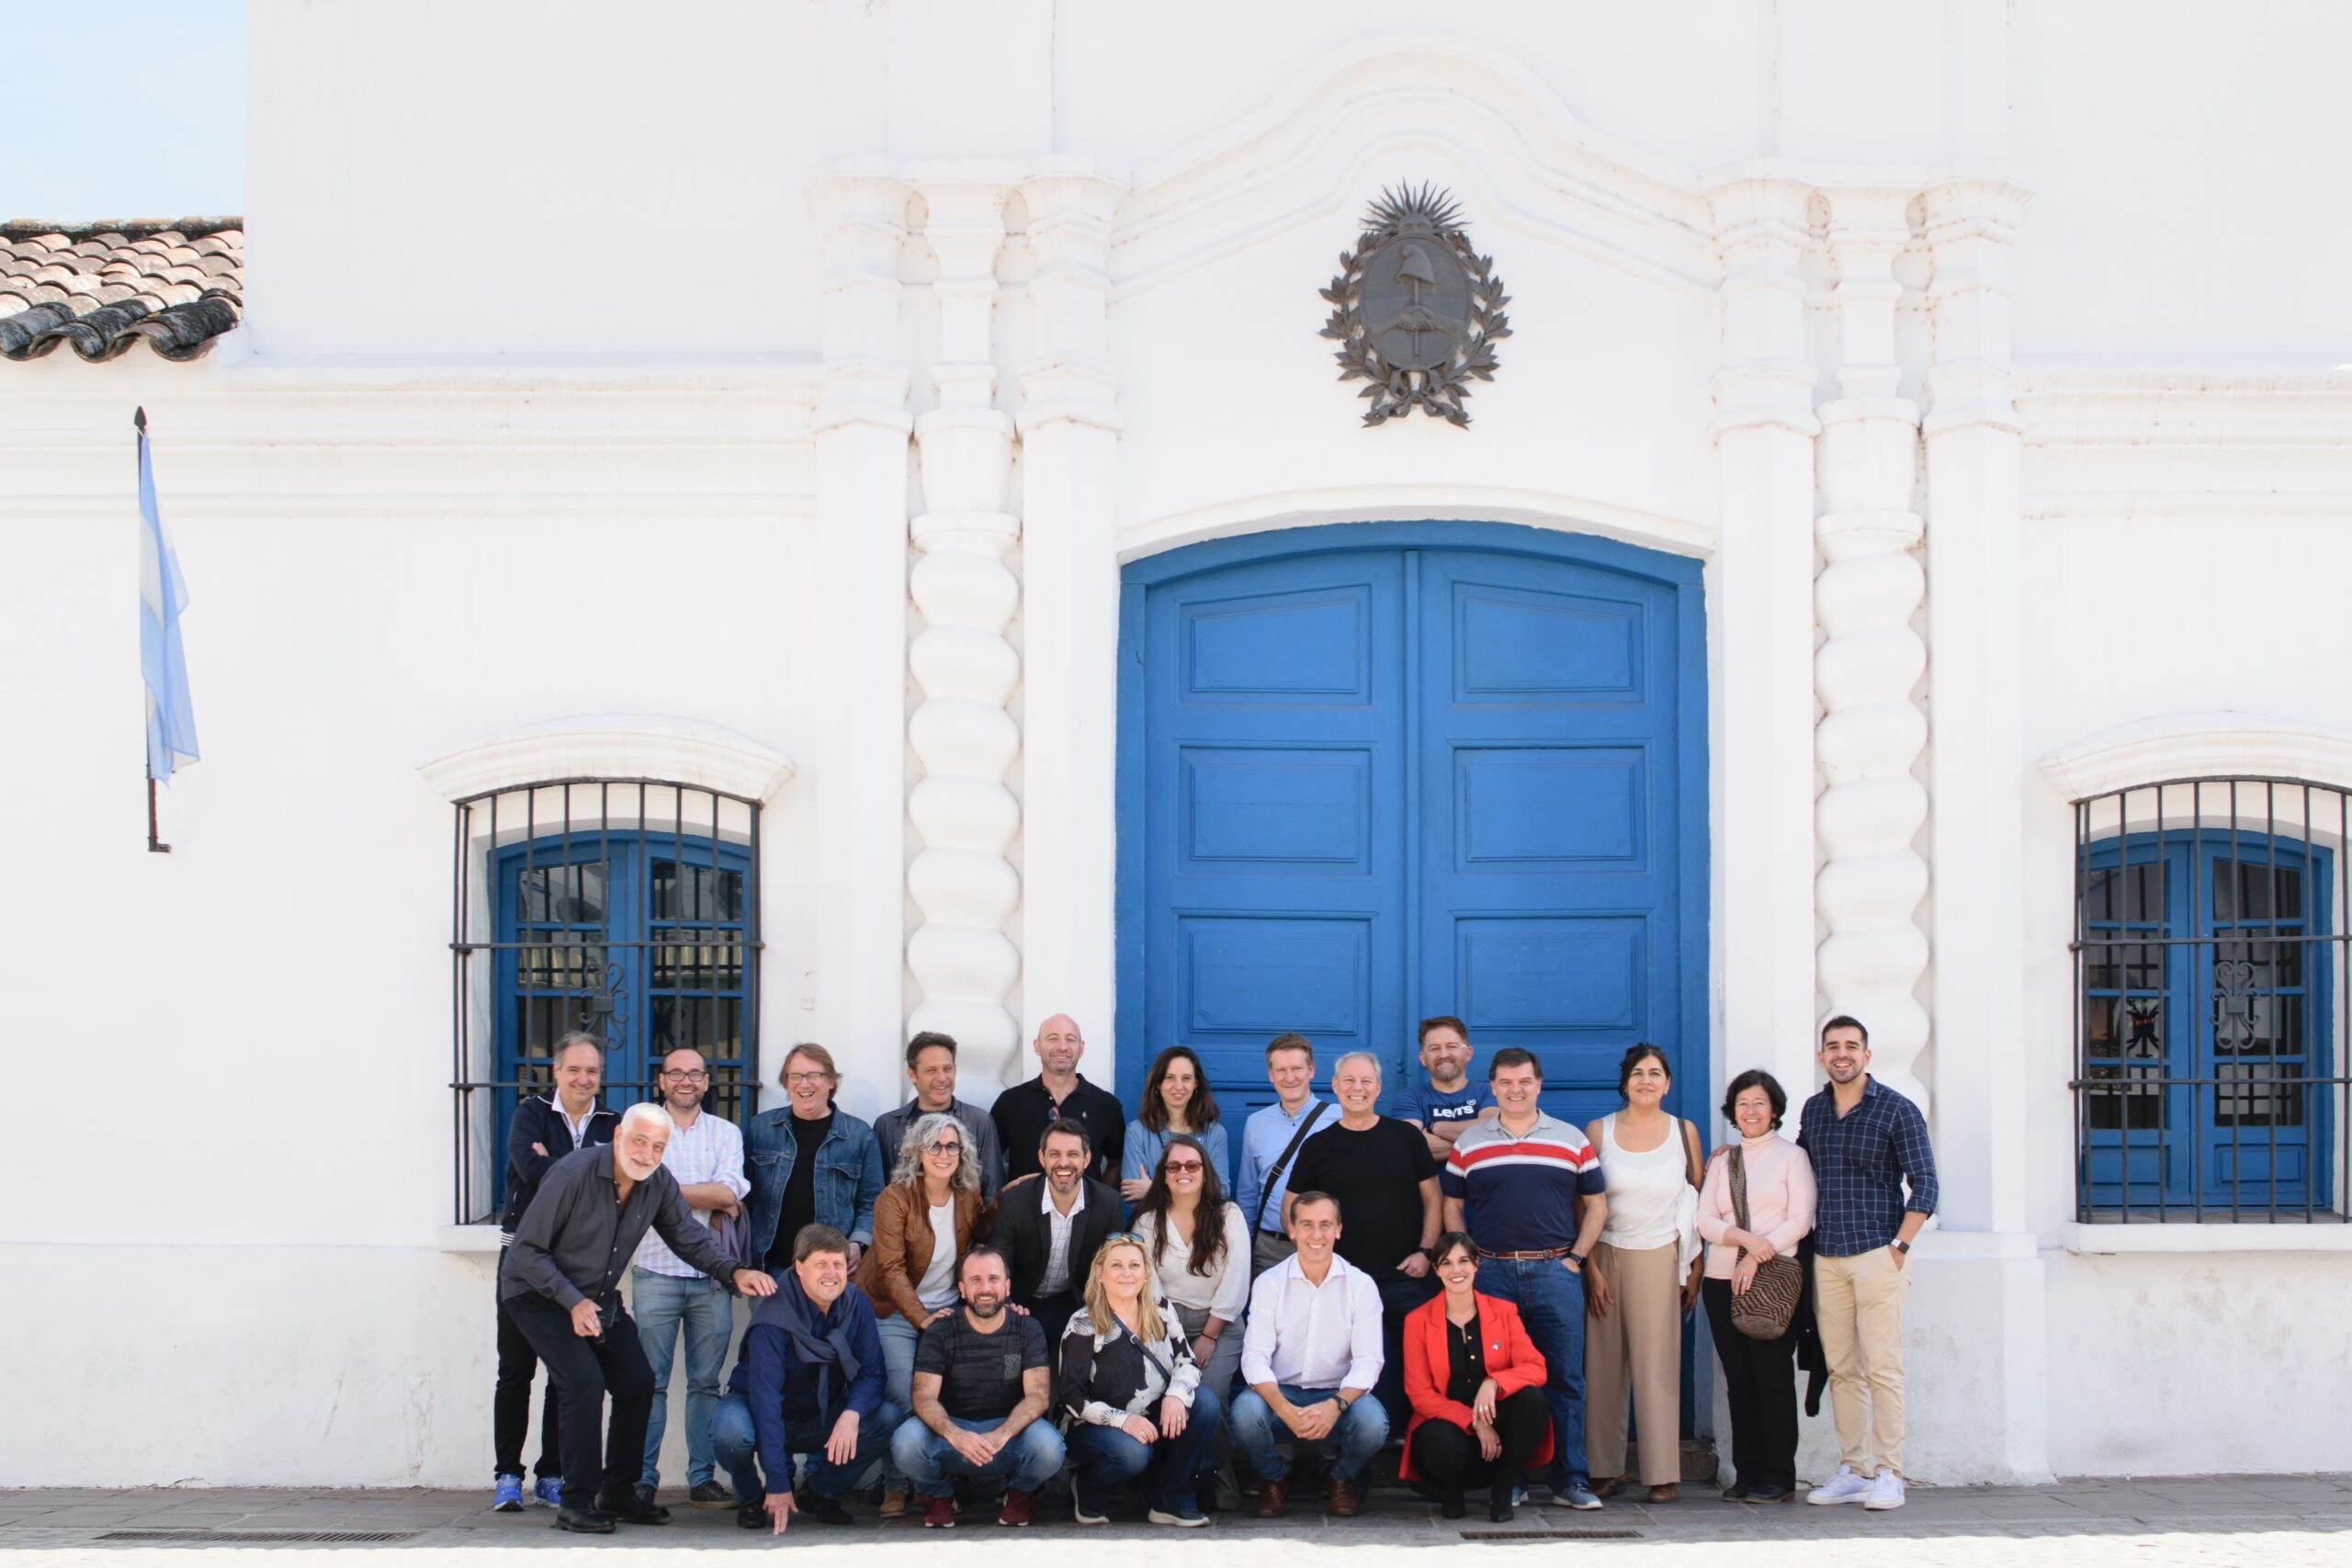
(1477, 1387)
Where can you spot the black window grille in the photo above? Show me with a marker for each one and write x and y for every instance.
(2212, 956)
(629, 908)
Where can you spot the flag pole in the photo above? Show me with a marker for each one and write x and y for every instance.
(155, 845)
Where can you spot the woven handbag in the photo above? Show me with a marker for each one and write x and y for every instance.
(1771, 1299)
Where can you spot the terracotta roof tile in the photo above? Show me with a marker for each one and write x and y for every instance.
(102, 288)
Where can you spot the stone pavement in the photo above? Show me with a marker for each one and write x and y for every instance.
(2275, 1521)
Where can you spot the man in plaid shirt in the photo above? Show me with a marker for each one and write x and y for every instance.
(1868, 1144)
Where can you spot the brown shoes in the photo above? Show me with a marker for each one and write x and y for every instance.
(1666, 1493)
(1273, 1497)
(1608, 1485)
(1341, 1498)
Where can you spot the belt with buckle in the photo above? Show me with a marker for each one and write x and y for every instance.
(1539, 1254)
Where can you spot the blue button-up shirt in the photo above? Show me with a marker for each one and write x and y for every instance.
(1862, 1162)
(1263, 1138)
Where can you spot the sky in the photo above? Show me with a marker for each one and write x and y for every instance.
(129, 108)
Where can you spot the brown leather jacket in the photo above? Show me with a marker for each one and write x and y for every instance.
(902, 1249)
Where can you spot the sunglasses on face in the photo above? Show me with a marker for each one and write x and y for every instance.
(1182, 1168)
(945, 1146)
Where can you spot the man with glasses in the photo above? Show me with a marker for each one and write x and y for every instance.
(810, 1163)
(706, 1156)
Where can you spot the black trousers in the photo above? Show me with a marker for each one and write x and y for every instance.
(1760, 1384)
(1053, 1315)
(1448, 1455)
(586, 1370)
(510, 1407)
(1400, 1294)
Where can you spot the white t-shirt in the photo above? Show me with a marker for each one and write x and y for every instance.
(936, 1288)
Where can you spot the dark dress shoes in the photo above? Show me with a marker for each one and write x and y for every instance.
(824, 1510)
(630, 1509)
(583, 1521)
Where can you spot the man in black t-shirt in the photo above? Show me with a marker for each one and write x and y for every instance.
(1382, 1172)
(1059, 1093)
(980, 1387)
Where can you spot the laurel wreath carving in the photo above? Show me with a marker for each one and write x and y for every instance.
(1441, 390)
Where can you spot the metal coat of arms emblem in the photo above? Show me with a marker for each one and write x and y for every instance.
(1415, 311)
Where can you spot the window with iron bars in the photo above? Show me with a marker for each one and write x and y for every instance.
(629, 908)
(2211, 952)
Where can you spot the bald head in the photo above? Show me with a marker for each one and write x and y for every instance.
(1059, 1047)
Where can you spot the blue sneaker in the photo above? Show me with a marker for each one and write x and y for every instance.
(548, 1492)
(510, 1496)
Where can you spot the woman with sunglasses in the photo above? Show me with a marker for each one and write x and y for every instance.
(1475, 1382)
(924, 1222)
(1128, 1395)
(1199, 1247)
(1176, 1101)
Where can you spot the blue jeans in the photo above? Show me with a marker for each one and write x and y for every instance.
(737, 1442)
(1103, 1459)
(1551, 1306)
(899, 1339)
(662, 1303)
(1025, 1463)
(1356, 1438)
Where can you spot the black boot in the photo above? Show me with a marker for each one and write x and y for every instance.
(630, 1509)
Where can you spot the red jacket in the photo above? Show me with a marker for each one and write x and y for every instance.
(1512, 1361)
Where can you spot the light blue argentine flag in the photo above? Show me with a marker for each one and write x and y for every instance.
(163, 594)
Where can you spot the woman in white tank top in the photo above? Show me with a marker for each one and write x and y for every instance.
(1638, 1285)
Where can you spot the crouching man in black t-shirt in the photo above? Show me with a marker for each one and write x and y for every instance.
(980, 1387)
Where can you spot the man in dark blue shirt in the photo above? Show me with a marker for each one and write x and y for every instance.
(807, 1381)
(1877, 1178)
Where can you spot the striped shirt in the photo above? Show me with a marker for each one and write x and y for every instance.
(710, 1150)
(1522, 1191)
(1863, 1163)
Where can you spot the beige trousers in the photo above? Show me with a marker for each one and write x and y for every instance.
(1638, 1344)
(1858, 1304)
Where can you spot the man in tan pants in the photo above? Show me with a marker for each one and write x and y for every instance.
(1877, 1177)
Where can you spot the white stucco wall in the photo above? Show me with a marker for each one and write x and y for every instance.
(538, 351)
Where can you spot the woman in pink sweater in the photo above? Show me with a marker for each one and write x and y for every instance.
(1759, 1375)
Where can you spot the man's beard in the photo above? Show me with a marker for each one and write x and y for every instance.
(639, 1172)
(985, 1305)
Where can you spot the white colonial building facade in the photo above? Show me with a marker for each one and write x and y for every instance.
(751, 523)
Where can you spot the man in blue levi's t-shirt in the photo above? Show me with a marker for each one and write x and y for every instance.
(1449, 1101)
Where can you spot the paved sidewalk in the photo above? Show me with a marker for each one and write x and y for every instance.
(2270, 1520)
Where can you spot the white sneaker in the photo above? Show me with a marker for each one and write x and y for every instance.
(1886, 1491)
(1845, 1487)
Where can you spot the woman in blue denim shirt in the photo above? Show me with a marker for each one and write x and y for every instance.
(810, 1163)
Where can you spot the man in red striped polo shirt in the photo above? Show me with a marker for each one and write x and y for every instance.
(1533, 1187)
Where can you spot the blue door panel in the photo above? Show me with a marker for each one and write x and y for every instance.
(1374, 773)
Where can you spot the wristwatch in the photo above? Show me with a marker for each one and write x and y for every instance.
(1901, 1245)
(1577, 1259)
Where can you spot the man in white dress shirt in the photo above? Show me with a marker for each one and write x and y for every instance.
(1311, 1355)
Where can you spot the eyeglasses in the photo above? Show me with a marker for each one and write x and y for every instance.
(944, 1146)
(1128, 1237)
(790, 1078)
(686, 1075)
(1182, 1167)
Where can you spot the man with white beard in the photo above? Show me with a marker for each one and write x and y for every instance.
(561, 1281)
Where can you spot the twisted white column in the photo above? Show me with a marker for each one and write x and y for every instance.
(962, 879)
(1872, 880)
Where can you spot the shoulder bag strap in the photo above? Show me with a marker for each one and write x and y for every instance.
(1740, 1186)
(1274, 1171)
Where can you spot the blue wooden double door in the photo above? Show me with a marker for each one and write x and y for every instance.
(1374, 773)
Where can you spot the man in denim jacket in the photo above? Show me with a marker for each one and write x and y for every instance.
(810, 1163)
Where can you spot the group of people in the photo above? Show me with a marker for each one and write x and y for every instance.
(960, 1301)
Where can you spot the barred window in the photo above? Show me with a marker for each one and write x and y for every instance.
(629, 908)
(2210, 950)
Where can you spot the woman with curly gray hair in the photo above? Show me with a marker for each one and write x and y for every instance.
(925, 1221)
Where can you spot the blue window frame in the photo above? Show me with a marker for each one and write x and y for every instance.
(2206, 957)
(626, 911)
